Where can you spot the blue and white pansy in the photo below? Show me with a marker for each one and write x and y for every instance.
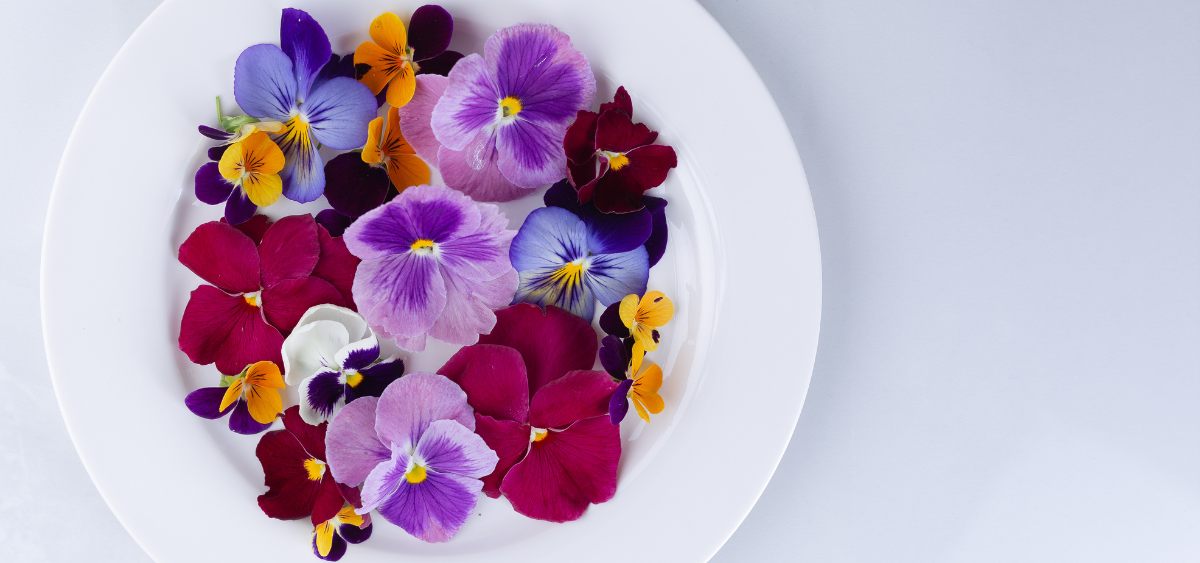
(334, 358)
(571, 263)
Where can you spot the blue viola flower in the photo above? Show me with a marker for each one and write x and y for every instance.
(570, 263)
(317, 108)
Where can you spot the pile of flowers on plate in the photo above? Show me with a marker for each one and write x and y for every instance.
(309, 301)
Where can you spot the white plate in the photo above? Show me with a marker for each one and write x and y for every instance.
(743, 268)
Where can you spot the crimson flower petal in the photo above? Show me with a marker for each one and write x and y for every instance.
(616, 132)
(509, 440)
(620, 101)
(620, 191)
(494, 380)
(222, 328)
(329, 500)
(550, 343)
(566, 471)
(285, 302)
(289, 250)
(291, 493)
(255, 227)
(575, 396)
(337, 265)
(312, 438)
(222, 256)
(580, 140)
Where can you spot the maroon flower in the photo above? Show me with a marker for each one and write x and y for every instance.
(294, 470)
(538, 405)
(611, 160)
(264, 277)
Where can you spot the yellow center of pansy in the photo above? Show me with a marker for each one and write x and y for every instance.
(510, 106)
(569, 274)
(617, 161)
(537, 434)
(416, 474)
(251, 299)
(423, 245)
(315, 468)
(353, 378)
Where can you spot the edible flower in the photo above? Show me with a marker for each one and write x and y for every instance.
(508, 111)
(236, 128)
(643, 317)
(249, 171)
(284, 84)
(252, 396)
(264, 276)
(434, 263)
(612, 159)
(334, 358)
(563, 263)
(640, 388)
(297, 475)
(415, 451)
(617, 232)
(538, 405)
(393, 57)
(330, 537)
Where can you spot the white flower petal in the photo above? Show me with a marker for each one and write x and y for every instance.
(355, 325)
(312, 348)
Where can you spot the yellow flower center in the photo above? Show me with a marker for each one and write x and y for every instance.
(315, 468)
(251, 299)
(353, 378)
(569, 274)
(423, 245)
(617, 161)
(510, 106)
(416, 474)
(537, 434)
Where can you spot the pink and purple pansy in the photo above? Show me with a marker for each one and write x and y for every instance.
(264, 277)
(538, 405)
(286, 84)
(503, 116)
(333, 357)
(415, 452)
(434, 263)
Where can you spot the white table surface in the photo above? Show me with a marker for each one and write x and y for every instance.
(1008, 195)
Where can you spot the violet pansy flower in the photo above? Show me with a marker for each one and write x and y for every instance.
(334, 358)
(434, 263)
(504, 114)
(415, 451)
(286, 84)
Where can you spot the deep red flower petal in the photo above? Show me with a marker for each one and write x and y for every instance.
(616, 132)
(620, 191)
(566, 471)
(289, 250)
(336, 265)
(222, 328)
(620, 101)
(312, 438)
(551, 343)
(494, 380)
(288, 300)
(582, 175)
(291, 494)
(255, 227)
(580, 140)
(329, 500)
(223, 256)
(509, 440)
(573, 397)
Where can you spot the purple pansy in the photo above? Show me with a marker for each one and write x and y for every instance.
(503, 116)
(434, 263)
(286, 84)
(416, 454)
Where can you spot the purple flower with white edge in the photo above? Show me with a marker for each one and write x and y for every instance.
(334, 358)
(568, 262)
(286, 84)
(416, 454)
(434, 263)
(503, 116)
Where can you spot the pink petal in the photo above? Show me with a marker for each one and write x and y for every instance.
(352, 447)
(289, 249)
(222, 328)
(410, 403)
(494, 380)
(415, 116)
(468, 312)
(403, 294)
(510, 441)
(551, 343)
(475, 171)
(566, 471)
(336, 265)
(223, 256)
(285, 302)
(575, 396)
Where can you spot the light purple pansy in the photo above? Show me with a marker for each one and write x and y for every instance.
(416, 454)
(503, 116)
(286, 84)
(434, 263)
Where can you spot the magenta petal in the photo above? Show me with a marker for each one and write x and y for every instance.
(434, 509)
(575, 396)
(289, 249)
(336, 265)
(475, 171)
(510, 441)
(351, 445)
(410, 403)
(222, 328)
(551, 343)
(254, 227)
(285, 302)
(415, 116)
(494, 380)
(566, 471)
(223, 256)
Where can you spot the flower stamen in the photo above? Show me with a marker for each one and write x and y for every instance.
(415, 475)
(315, 468)
(510, 106)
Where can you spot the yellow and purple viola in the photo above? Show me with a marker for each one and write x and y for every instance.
(636, 386)
(285, 83)
(330, 538)
(393, 57)
(252, 397)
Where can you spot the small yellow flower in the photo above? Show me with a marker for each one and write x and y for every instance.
(254, 164)
(643, 317)
(323, 534)
(259, 385)
(387, 59)
(644, 391)
(388, 148)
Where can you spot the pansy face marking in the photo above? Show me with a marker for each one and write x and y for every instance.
(253, 164)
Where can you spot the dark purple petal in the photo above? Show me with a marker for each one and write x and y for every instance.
(434, 509)
(206, 402)
(376, 378)
(211, 187)
(656, 245)
(360, 358)
(337, 550)
(241, 421)
(215, 153)
(440, 65)
(618, 405)
(354, 187)
(614, 356)
(323, 392)
(611, 323)
(354, 534)
(263, 83)
(429, 31)
(303, 41)
(608, 233)
(335, 223)
(214, 134)
(337, 66)
(239, 208)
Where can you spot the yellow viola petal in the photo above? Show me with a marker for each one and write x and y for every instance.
(628, 310)
(232, 394)
(263, 189)
(261, 154)
(637, 404)
(381, 66)
(324, 534)
(371, 152)
(655, 309)
(265, 374)
(644, 334)
(387, 31)
(406, 171)
(394, 142)
(651, 401)
(230, 165)
(402, 87)
(638, 353)
(348, 516)
(264, 403)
